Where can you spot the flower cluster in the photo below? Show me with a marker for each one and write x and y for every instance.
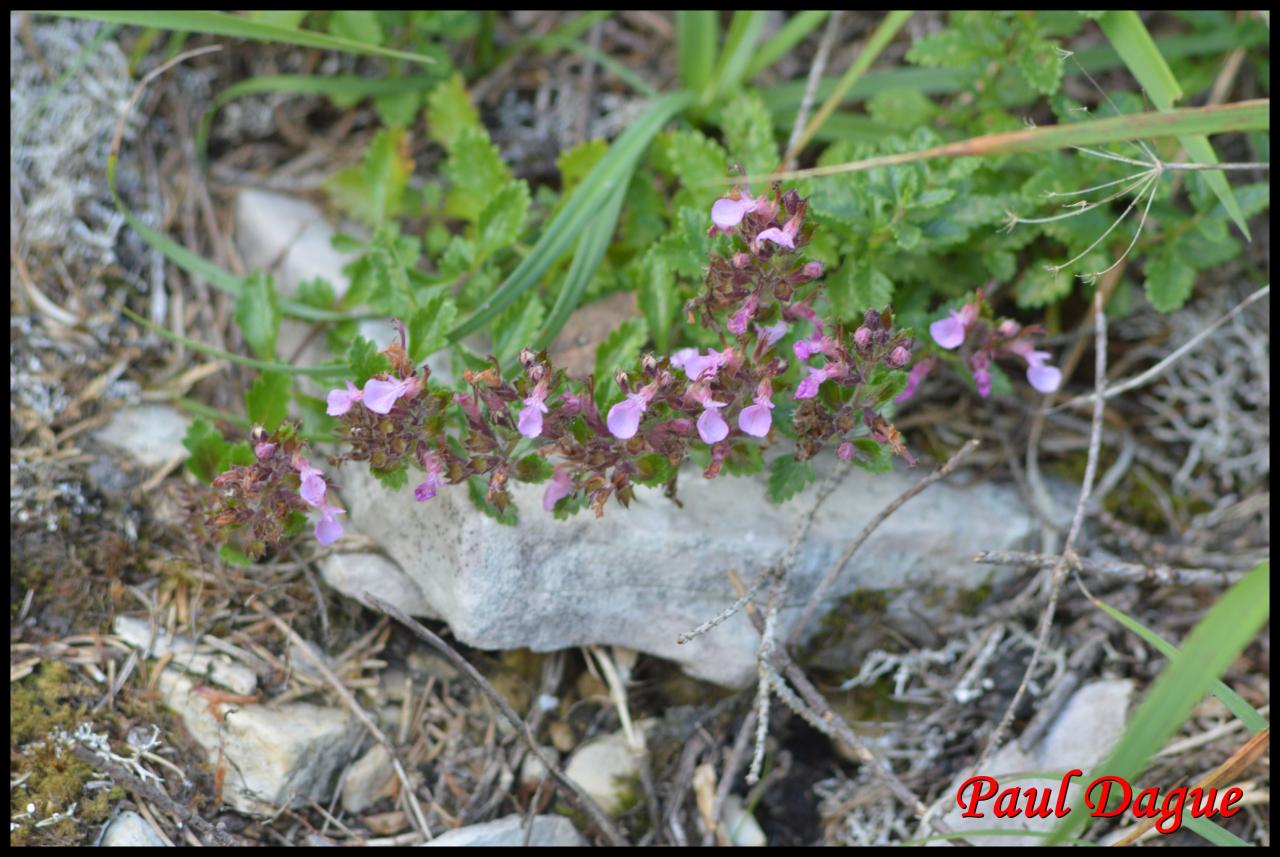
(541, 425)
(981, 341)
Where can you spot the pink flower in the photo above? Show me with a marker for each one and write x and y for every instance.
(738, 322)
(811, 271)
(624, 417)
(328, 530)
(380, 396)
(711, 425)
(696, 365)
(427, 488)
(263, 450)
(784, 237)
(809, 386)
(772, 333)
(917, 374)
(1042, 376)
(950, 332)
(561, 486)
(845, 451)
(728, 211)
(340, 401)
(756, 420)
(980, 363)
(313, 486)
(530, 422)
(898, 357)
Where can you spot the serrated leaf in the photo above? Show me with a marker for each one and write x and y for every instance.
(901, 108)
(373, 190)
(575, 163)
(1169, 280)
(502, 219)
(1040, 65)
(619, 350)
(872, 456)
(394, 478)
(397, 109)
(517, 326)
(695, 157)
(857, 287)
(392, 290)
(477, 489)
(657, 298)
(744, 459)
(449, 110)
(267, 401)
(534, 468)
(1040, 286)
(907, 236)
(365, 361)
(748, 133)
(653, 470)
(232, 555)
(258, 315)
(429, 327)
(208, 449)
(787, 478)
(477, 172)
(317, 292)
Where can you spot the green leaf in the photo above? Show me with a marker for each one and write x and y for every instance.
(236, 26)
(317, 292)
(516, 328)
(477, 489)
(1129, 36)
(365, 361)
(208, 450)
(748, 133)
(619, 350)
(653, 470)
(1169, 280)
(744, 459)
(695, 157)
(872, 456)
(477, 172)
(258, 315)
(232, 555)
(502, 219)
(392, 289)
(576, 163)
(392, 479)
(357, 26)
(1040, 65)
(267, 401)
(429, 327)
(534, 468)
(787, 478)
(857, 287)
(449, 110)
(901, 108)
(1212, 646)
(397, 109)
(373, 190)
(657, 298)
(1040, 286)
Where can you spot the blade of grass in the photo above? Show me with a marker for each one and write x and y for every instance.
(235, 26)
(1129, 36)
(331, 371)
(1252, 115)
(1254, 721)
(793, 32)
(618, 69)
(884, 34)
(1216, 834)
(739, 45)
(589, 200)
(990, 831)
(1211, 647)
(696, 34)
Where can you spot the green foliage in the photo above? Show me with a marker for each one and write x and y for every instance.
(268, 399)
(429, 326)
(258, 314)
(477, 490)
(476, 172)
(365, 361)
(211, 453)
(373, 190)
(449, 111)
(787, 478)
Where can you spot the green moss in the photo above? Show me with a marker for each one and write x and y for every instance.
(53, 778)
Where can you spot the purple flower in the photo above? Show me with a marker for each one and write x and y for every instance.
(917, 374)
(380, 396)
(711, 426)
(811, 271)
(427, 488)
(738, 322)
(756, 420)
(950, 332)
(772, 333)
(898, 357)
(784, 237)
(328, 530)
(624, 417)
(845, 451)
(340, 401)
(728, 211)
(809, 386)
(1042, 376)
(561, 486)
(263, 450)
(696, 365)
(530, 423)
(980, 363)
(862, 336)
(313, 486)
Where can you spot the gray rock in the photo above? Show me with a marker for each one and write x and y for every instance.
(1081, 737)
(290, 238)
(275, 755)
(372, 777)
(150, 434)
(548, 831)
(187, 656)
(639, 577)
(355, 573)
(131, 830)
(602, 766)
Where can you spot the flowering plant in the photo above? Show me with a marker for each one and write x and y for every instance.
(780, 368)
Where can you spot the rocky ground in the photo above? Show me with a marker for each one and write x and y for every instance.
(161, 696)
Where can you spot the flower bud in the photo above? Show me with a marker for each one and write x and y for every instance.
(872, 319)
(741, 260)
(845, 451)
(898, 357)
(1008, 329)
(812, 270)
(862, 337)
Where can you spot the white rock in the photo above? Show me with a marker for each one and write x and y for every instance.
(602, 766)
(744, 831)
(372, 777)
(640, 577)
(355, 573)
(275, 755)
(151, 434)
(131, 830)
(532, 771)
(289, 238)
(548, 831)
(218, 668)
(1081, 737)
